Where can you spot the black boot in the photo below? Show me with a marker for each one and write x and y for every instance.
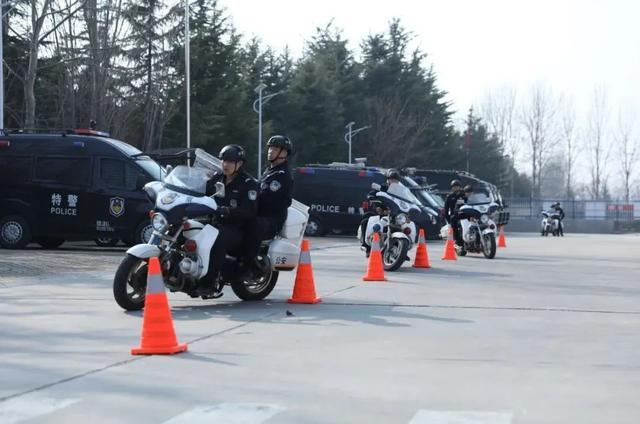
(210, 290)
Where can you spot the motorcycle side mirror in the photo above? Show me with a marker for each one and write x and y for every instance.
(220, 189)
(376, 186)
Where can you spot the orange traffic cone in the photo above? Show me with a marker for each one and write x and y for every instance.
(502, 242)
(158, 335)
(449, 249)
(375, 269)
(304, 289)
(422, 256)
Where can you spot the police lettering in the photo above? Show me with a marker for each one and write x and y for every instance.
(63, 211)
(326, 208)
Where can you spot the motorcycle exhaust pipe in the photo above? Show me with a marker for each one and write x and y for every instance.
(188, 266)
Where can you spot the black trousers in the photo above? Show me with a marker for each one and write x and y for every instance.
(457, 230)
(229, 241)
(259, 229)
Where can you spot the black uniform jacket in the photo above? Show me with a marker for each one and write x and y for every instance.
(451, 205)
(276, 186)
(241, 197)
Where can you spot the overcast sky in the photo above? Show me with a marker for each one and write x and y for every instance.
(475, 46)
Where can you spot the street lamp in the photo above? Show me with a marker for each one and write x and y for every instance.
(187, 64)
(257, 108)
(350, 133)
(2, 6)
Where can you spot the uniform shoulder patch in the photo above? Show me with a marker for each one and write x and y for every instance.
(253, 195)
(275, 185)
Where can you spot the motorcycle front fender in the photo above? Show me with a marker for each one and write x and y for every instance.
(401, 235)
(488, 230)
(144, 251)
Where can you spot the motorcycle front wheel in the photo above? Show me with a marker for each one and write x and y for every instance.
(489, 247)
(130, 283)
(395, 254)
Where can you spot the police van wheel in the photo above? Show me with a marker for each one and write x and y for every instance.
(106, 241)
(314, 228)
(15, 232)
(141, 235)
(50, 242)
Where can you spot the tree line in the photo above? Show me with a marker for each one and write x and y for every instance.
(121, 63)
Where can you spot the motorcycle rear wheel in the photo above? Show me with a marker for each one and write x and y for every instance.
(130, 283)
(260, 290)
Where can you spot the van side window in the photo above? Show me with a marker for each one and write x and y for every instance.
(117, 173)
(16, 169)
(64, 170)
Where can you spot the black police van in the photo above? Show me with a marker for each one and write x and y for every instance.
(72, 185)
(336, 194)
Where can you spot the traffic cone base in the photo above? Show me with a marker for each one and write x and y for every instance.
(422, 255)
(449, 253)
(158, 334)
(304, 289)
(375, 267)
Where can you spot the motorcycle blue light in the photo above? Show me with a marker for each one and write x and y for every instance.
(376, 228)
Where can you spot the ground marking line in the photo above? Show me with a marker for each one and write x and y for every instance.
(17, 410)
(228, 413)
(424, 416)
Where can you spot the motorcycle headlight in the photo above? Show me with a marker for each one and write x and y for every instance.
(159, 222)
(484, 219)
(401, 219)
(169, 198)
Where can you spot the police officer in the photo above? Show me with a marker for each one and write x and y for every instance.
(557, 208)
(274, 199)
(235, 210)
(451, 204)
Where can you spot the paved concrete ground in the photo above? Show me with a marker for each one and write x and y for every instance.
(547, 332)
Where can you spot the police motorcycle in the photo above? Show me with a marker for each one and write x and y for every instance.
(397, 211)
(550, 223)
(184, 231)
(478, 227)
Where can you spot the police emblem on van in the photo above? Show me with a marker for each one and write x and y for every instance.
(116, 206)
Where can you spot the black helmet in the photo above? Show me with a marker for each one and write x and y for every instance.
(468, 189)
(393, 173)
(282, 142)
(556, 205)
(232, 153)
(455, 183)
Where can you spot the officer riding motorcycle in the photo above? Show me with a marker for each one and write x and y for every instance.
(396, 212)
(187, 224)
(452, 203)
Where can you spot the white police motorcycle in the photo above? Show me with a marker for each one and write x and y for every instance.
(478, 226)
(550, 223)
(184, 233)
(398, 209)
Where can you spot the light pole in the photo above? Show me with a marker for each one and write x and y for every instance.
(257, 108)
(187, 64)
(350, 133)
(2, 15)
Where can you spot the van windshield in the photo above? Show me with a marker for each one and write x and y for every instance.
(152, 167)
(424, 194)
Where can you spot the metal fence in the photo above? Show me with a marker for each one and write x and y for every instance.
(526, 208)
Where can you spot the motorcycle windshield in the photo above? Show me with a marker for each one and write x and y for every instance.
(188, 180)
(478, 199)
(206, 161)
(403, 192)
